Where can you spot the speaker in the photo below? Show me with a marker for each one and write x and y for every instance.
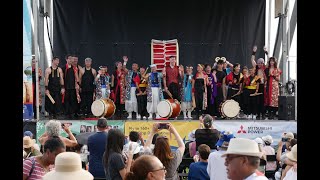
(286, 109)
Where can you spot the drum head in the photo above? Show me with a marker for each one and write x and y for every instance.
(230, 108)
(98, 108)
(164, 109)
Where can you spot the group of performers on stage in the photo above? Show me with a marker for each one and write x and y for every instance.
(73, 88)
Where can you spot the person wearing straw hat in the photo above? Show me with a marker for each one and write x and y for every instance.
(216, 168)
(68, 166)
(28, 147)
(290, 172)
(154, 91)
(30, 134)
(243, 159)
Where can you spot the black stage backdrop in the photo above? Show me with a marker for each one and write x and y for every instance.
(107, 30)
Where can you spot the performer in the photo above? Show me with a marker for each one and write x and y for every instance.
(154, 91)
(272, 87)
(34, 87)
(171, 79)
(131, 99)
(87, 80)
(211, 89)
(118, 86)
(141, 83)
(199, 89)
(221, 87)
(234, 86)
(259, 69)
(76, 64)
(250, 93)
(54, 85)
(102, 82)
(186, 98)
(242, 96)
(226, 63)
(71, 81)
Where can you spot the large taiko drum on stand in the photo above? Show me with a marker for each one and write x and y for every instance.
(169, 108)
(229, 108)
(103, 107)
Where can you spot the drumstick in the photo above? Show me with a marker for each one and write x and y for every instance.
(255, 94)
(51, 99)
(169, 94)
(235, 95)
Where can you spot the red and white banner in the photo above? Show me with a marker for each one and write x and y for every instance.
(161, 50)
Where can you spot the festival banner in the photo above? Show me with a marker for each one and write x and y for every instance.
(145, 127)
(78, 127)
(27, 58)
(254, 129)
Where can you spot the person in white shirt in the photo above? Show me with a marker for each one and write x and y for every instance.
(269, 150)
(290, 172)
(243, 159)
(216, 168)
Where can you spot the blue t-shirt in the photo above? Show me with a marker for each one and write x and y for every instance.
(198, 171)
(96, 147)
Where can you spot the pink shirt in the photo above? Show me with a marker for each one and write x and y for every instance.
(38, 171)
(270, 166)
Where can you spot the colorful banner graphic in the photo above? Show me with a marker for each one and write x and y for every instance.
(27, 57)
(78, 127)
(183, 128)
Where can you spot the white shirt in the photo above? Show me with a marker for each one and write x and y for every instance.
(291, 175)
(216, 168)
(254, 176)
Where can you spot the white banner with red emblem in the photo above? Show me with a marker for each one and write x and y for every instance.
(254, 129)
(161, 50)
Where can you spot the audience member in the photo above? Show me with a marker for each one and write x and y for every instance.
(30, 134)
(208, 135)
(96, 146)
(198, 170)
(146, 167)
(29, 148)
(115, 164)
(170, 159)
(243, 159)
(68, 166)
(290, 172)
(216, 168)
(37, 166)
(270, 166)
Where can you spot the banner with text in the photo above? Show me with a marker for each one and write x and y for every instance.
(254, 129)
(183, 128)
(78, 127)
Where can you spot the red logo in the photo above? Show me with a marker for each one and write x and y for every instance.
(241, 130)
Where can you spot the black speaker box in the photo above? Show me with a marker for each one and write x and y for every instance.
(287, 107)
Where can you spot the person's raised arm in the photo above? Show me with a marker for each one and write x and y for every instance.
(279, 151)
(253, 56)
(266, 52)
(141, 139)
(181, 146)
(125, 61)
(72, 141)
(154, 130)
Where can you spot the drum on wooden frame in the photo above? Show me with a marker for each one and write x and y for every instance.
(169, 108)
(229, 108)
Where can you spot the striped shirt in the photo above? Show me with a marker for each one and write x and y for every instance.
(38, 171)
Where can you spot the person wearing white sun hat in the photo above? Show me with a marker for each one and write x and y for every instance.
(68, 166)
(290, 172)
(269, 150)
(243, 159)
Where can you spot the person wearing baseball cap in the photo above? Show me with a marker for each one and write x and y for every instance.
(269, 150)
(243, 159)
(216, 168)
